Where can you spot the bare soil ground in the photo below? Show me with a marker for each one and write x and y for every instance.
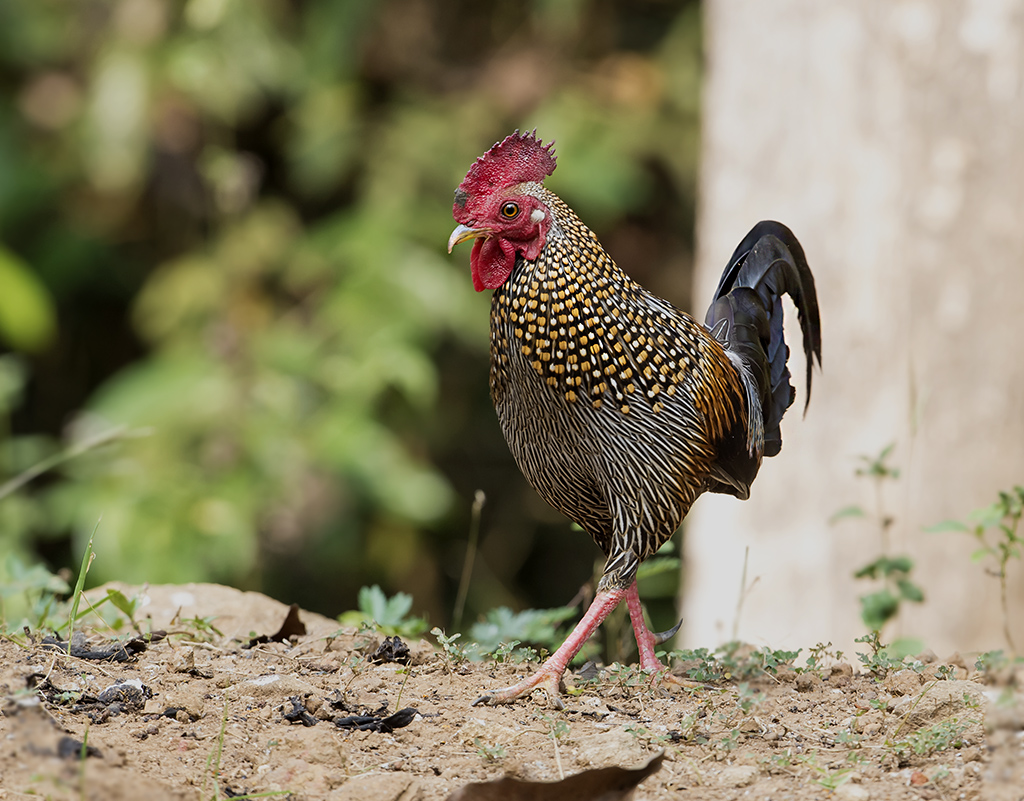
(197, 715)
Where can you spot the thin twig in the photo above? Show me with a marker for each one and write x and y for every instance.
(467, 565)
(744, 591)
(1006, 609)
(71, 452)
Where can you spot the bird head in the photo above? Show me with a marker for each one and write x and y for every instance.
(494, 207)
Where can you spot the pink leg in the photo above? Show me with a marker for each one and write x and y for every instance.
(550, 673)
(645, 639)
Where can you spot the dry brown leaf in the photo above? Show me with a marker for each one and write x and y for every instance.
(600, 784)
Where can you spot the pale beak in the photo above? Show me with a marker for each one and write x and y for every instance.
(464, 232)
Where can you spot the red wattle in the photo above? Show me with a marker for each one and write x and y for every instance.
(491, 263)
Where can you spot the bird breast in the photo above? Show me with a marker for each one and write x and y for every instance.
(593, 381)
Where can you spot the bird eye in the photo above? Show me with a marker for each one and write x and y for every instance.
(510, 210)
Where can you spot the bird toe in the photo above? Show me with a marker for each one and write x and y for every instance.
(548, 681)
(677, 681)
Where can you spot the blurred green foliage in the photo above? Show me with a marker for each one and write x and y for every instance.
(234, 335)
(389, 615)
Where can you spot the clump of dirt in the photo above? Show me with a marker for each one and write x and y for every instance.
(226, 702)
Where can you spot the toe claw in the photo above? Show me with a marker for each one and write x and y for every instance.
(662, 636)
(547, 680)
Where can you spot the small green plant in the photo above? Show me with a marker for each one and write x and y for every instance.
(407, 671)
(490, 753)
(213, 758)
(509, 652)
(991, 661)
(970, 702)
(688, 729)
(30, 595)
(701, 664)
(730, 741)
(125, 605)
(932, 739)
(819, 654)
(76, 598)
(625, 677)
(829, 777)
(648, 738)
(52, 605)
(211, 778)
(832, 778)
(503, 653)
(890, 574)
(772, 660)
(356, 663)
(880, 661)
(557, 729)
(781, 761)
(388, 615)
(83, 754)
(454, 654)
(848, 738)
(538, 627)
(732, 661)
(201, 629)
(748, 699)
(855, 757)
(1003, 518)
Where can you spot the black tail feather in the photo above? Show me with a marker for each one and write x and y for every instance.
(746, 316)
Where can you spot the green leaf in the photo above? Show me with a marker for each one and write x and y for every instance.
(910, 591)
(658, 566)
(898, 564)
(384, 611)
(391, 615)
(22, 578)
(533, 626)
(947, 525)
(903, 647)
(878, 608)
(121, 602)
(27, 317)
(870, 570)
(877, 468)
(989, 516)
(885, 566)
(845, 512)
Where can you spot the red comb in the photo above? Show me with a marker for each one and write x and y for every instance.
(514, 160)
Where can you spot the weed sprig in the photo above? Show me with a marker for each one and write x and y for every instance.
(1003, 518)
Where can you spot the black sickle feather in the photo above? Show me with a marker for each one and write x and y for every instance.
(746, 315)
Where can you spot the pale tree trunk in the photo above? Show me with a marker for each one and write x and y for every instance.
(890, 137)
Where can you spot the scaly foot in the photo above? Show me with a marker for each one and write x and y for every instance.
(549, 676)
(647, 639)
(547, 679)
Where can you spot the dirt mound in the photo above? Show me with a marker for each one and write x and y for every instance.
(224, 702)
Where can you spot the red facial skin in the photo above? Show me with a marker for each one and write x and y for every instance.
(494, 254)
(493, 203)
